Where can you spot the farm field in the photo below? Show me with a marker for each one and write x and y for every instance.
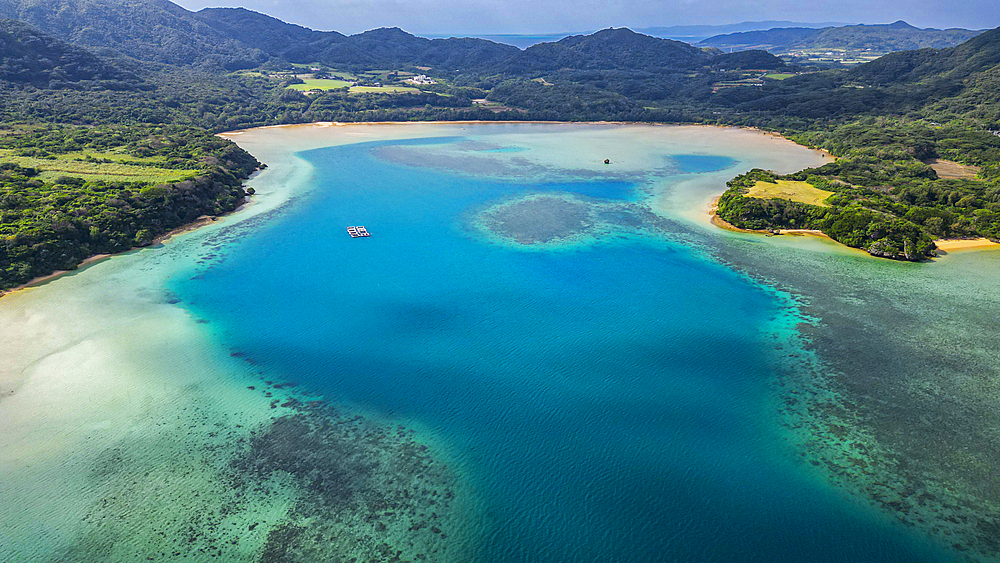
(801, 192)
(320, 84)
(122, 168)
(384, 90)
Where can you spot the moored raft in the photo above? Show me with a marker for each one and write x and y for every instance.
(358, 231)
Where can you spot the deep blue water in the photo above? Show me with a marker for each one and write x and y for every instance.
(607, 403)
(700, 163)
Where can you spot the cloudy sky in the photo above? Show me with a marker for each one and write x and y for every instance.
(552, 16)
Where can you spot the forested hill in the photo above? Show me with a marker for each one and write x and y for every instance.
(69, 192)
(610, 49)
(384, 47)
(236, 38)
(31, 58)
(267, 33)
(161, 31)
(147, 30)
(898, 36)
(980, 54)
(890, 121)
(941, 83)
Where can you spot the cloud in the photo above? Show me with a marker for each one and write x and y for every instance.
(547, 16)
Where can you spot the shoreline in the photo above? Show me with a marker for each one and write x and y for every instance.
(208, 219)
(944, 246)
(42, 280)
(947, 245)
(764, 132)
(198, 223)
(727, 226)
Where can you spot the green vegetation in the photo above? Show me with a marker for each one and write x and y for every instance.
(847, 220)
(792, 190)
(886, 200)
(106, 166)
(383, 90)
(320, 84)
(133, 185)
(848, 41)
(885, 119)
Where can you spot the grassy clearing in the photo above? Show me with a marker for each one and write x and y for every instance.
(802, 192)
(320, 84)
(949, 170)
(778, 76)
(384, 90)
(123, 168)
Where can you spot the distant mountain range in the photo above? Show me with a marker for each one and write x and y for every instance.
(696, 33)
(685, 33)
(234, 38)
(898, 36)
(609, 74)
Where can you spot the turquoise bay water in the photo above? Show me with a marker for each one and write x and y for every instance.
(609, 402)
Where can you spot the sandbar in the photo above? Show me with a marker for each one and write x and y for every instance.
(951, 245)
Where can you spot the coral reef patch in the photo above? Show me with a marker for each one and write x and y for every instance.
(362, 492)
(309, 484)
(561, 219)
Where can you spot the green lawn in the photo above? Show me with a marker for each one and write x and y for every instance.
(802, 192)
(779, 76)
(124, 168)
(320, 84)
(384, 90)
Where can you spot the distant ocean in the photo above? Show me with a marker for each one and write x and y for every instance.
(687, 33)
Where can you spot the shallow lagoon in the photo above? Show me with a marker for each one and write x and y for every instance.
(591, 370)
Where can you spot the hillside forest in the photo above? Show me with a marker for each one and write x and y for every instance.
(107, 134)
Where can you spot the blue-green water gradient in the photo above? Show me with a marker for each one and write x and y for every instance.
(610, 402)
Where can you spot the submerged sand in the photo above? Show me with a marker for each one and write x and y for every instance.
(128, 432)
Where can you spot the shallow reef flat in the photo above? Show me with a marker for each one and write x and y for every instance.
(897, 400)
(129, 433)
(306, 485)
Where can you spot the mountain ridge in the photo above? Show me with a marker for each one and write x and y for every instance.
(147, 30)
(896, 36)
(32, 58)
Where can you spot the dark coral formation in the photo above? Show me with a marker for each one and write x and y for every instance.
(365, 492)
(311, 484)
(541, 219)
(550, 219)
(831, 418)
